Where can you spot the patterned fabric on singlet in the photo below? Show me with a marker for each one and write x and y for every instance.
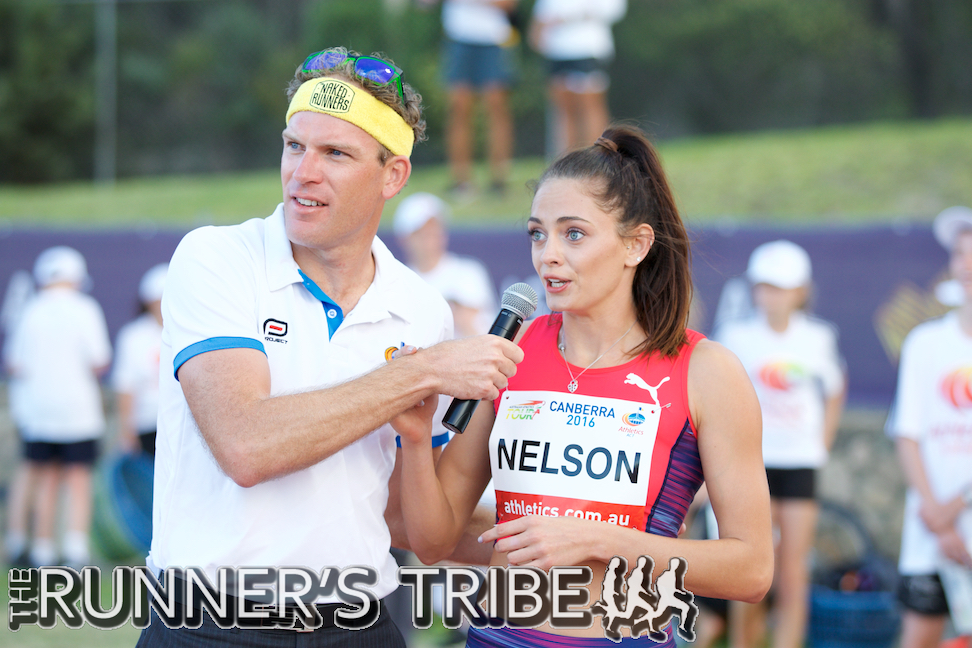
(621, 449)
(529, 638)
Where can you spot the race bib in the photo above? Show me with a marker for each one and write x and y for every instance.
(559, 454)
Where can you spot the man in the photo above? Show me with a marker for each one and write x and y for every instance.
(420, 226)
(273, 447)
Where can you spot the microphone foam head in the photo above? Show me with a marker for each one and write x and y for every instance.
(521, 299)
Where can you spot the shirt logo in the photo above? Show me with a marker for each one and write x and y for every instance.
(956, 387)
(639, 382)
(274, 329)
(781, 375)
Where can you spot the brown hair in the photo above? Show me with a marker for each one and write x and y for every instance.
(625, 177)
(410, 110)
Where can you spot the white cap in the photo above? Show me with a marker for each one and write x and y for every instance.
(416, 210)
(780, 263)
(152, 284)
(950, 293)
(949, 223)
(59, 264)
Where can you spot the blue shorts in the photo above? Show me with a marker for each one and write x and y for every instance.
(581, 76)
(792, 483)
(79, 452)
(923, 594)
(479, 66)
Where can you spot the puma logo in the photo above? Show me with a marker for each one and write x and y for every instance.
(638, 381)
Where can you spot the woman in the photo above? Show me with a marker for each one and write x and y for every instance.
(794, 364)
(613, 254)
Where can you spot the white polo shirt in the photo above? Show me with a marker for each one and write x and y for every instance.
(239, 286)
(56, 346)
(136, 370)
(933, 407)
(794, 372)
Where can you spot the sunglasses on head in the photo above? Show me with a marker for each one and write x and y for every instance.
(367, 67)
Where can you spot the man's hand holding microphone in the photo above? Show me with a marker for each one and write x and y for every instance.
(470, 369)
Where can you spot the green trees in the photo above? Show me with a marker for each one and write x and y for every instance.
(200, 84)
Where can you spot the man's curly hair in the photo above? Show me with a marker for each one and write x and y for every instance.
(410, 111)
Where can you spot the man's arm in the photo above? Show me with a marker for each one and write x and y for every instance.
(255, 437)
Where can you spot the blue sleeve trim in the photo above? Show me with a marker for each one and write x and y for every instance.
(440, 440)
(214, 344)
(437, 440)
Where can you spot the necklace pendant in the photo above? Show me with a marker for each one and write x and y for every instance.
(572, 386)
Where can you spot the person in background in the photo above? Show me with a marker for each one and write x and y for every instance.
(20, 290)
(420, 226)
(136, 373)
(477, 59)
(59, 349)
(574, 36)
(794, 363)
(931, 422)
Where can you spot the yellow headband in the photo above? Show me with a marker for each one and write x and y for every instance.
(354, 105)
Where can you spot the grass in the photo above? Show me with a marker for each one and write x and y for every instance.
(858, 173)
(60, 636)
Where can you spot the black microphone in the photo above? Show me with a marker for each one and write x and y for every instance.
(518, 303)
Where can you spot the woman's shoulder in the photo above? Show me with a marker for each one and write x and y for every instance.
(711, 361)
(538, 327)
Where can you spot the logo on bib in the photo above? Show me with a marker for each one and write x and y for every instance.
(332, 96)
(524, 411)
(634, 418)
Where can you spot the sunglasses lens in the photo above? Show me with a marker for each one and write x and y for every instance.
(375, 70)
(324, 60)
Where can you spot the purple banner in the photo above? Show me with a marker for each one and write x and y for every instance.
(872, 282)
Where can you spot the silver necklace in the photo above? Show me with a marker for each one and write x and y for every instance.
(572, 385)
